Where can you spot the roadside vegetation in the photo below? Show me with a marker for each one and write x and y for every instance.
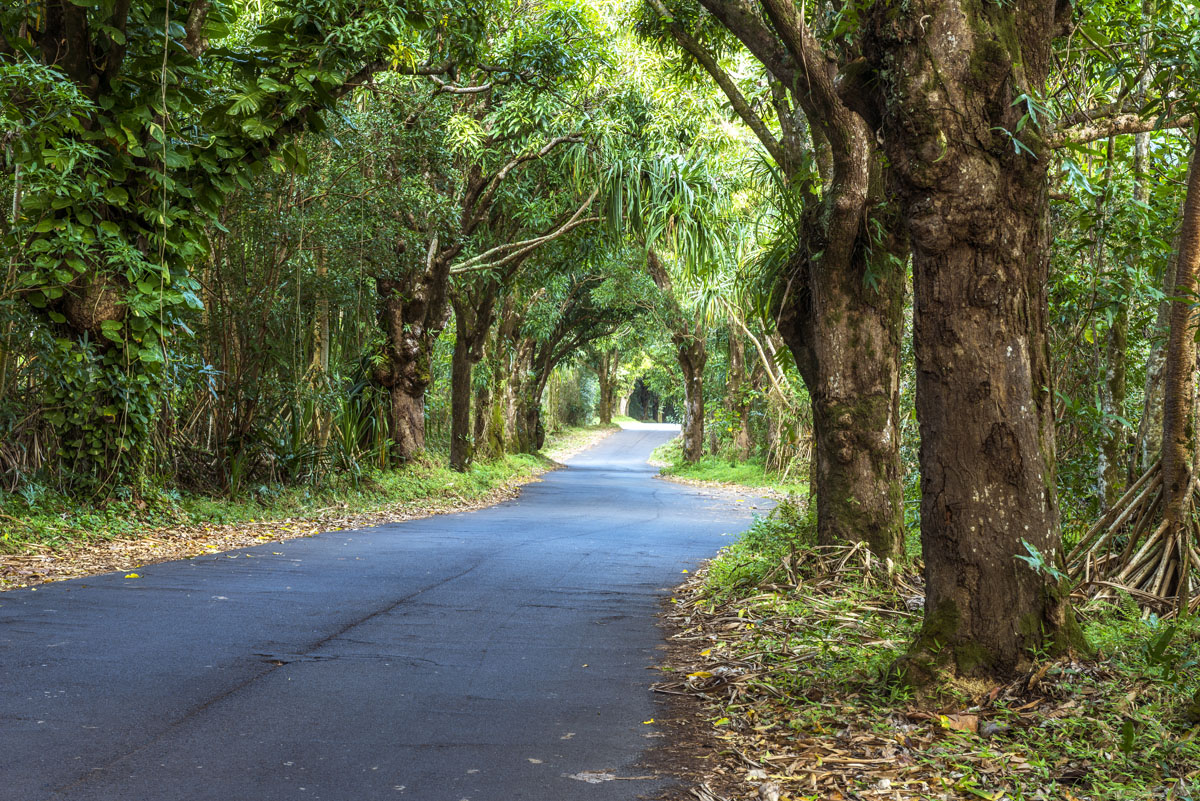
(726, 469)
(46, 536)
(791, 647)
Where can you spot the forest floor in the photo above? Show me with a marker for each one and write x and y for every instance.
(774, 671)
(42, 540)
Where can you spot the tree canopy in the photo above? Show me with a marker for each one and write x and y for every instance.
(938, 259)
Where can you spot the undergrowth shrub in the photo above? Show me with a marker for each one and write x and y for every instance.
(754, 558)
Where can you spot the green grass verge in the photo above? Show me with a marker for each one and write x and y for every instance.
(36, 518)
(566, 441)
(723, 469)
(1120, 726)
(43, 519)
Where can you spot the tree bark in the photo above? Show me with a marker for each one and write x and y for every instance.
(839, 304)
(606, 376)
(692, 357)
(954, 77)
(413, 312)
(473, 315)
(526, 397)
(1149, 437)
(1179, 379)
(845, 337)
(737, 403)
(461, 449)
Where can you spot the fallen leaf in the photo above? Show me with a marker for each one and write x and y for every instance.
(969, 723)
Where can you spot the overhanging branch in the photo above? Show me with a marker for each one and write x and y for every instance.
(523, 248)
(1115, 126)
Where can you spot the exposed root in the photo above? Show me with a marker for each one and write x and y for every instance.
(1133, 549)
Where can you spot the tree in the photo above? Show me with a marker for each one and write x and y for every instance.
(688, 334)
(571, 308)
(183, 99)
(838, 281)
(464, 148)
(969, 158)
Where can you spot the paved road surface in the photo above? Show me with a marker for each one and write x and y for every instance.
(485, 656)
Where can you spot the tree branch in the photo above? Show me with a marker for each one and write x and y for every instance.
(443, 87)
(741, 19)
(529, 245)
(1115, 126)
(474, 209)
(736, 98)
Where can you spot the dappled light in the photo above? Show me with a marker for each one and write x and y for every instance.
(556, 294)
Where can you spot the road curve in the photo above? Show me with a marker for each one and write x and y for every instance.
(490, 655)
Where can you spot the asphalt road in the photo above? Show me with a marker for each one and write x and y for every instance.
(489, 655)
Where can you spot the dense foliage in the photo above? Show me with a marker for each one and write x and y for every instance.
(257, 245)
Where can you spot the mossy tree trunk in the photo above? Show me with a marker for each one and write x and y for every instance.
(1179, 379)
(474, 307)
(845, 337)
(413, 311)
(955, 77)
(692, 357)
(839, 302)
(736, 399)
(606, 376)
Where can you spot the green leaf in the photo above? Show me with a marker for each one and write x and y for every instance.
(150, 355)
(256, 128)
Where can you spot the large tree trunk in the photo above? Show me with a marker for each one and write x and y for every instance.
(524, 412)
(976, 210)
(473, 314)
(1149, 437)
(839, 306)
(845, 336)
(692, 357)
(460, 399)
(606, 374)
(406, 420)
(413, 312)
(1179, 379)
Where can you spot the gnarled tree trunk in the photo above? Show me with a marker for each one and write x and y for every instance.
(606, 375)
(845, 337)
(473, 312)
(839, 306)
(975, 205)
(1179, 379)
(413, 311)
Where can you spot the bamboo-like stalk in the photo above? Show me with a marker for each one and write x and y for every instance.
(1142, 552)
(1118, 510)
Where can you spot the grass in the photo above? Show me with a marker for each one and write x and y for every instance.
(45, 519)
(35, 518)
(725, 469)
(564, 442)
(802, 636)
